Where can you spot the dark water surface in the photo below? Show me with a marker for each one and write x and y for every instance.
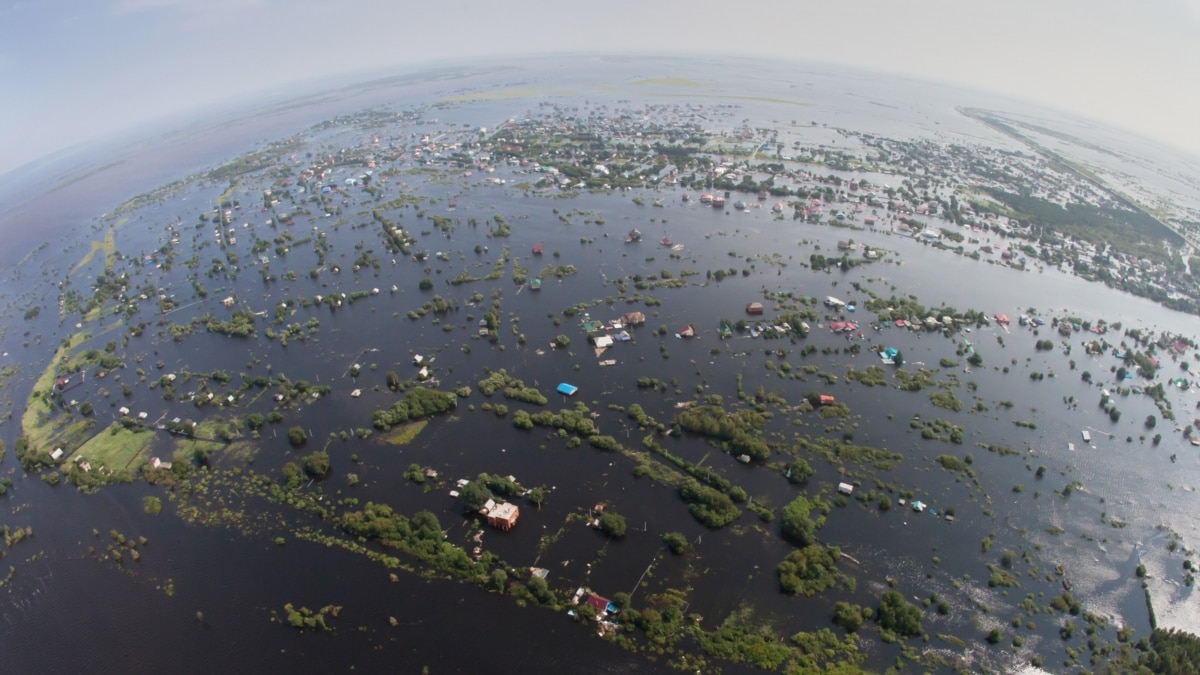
(68, 611)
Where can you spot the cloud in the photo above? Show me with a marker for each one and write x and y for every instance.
(1193, 8)
(134, 6)
(190, 6)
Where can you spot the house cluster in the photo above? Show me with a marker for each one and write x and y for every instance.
(604, 334)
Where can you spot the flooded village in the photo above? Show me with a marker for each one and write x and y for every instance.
(729, 390)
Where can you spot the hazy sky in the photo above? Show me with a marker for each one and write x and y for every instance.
(76, 70)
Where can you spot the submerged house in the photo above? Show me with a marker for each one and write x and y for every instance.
(502, 516)
(600, 604)
(834, 303)
(754, 308)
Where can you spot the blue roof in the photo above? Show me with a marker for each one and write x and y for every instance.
(567, 389)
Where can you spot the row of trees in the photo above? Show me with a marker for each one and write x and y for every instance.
(417, 403)
(739, 429)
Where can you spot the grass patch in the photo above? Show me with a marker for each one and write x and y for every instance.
(35, 420)
(241, 450)
(404, 434)
(227, 195)
(957, 642)
(211, 435)
(116, 448)
(108, 246)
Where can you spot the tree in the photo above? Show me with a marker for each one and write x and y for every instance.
(296, 436)
(898, 616)
(537, 496)
(848, 616)
(475, 495)
(540, 590)
(676, 542)
(809, 570)
(1151, 421)
(425, 284)
(317, 464)
(799, 471)
(621, 600)
(522, 420)
(612, 524)
(795, 523)
(393, 381)
(254, 421)
(498, 580)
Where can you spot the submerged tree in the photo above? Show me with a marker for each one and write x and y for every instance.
(296, 436)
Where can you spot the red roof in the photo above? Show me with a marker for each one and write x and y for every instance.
(601, 604)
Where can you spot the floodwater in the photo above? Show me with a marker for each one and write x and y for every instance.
(117, 618)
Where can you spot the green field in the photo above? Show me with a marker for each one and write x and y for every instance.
(116, 448)
(35, 420)
(404, 434)
(108, 247)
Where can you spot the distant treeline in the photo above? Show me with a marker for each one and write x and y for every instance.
(1131, 232)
